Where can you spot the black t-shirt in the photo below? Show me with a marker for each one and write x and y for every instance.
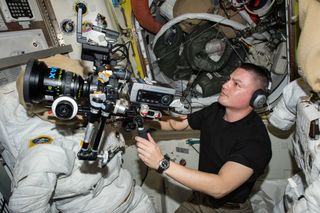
(245, 141)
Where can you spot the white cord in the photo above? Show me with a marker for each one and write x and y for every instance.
(206, 16)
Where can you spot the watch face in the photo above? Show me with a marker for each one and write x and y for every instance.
(164, 164)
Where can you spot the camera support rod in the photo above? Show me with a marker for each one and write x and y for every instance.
(98, 113)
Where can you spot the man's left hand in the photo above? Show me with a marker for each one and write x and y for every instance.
(149, 151)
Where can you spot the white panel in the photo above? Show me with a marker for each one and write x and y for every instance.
(64, 9)
(19, 42)
(282, 165)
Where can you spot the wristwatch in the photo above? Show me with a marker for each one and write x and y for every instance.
(164, 164)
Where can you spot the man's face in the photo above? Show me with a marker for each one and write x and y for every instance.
(237, 91)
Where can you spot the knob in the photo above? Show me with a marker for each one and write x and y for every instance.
(166, 99)
(183, 162)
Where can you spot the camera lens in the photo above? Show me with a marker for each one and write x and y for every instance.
(42, 83)
(64, 108)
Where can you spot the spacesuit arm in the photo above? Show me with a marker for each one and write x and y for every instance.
(35, 176)
(33, 193)
(309, 202)
(284, 113)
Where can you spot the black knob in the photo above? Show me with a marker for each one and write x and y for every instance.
(165, 99)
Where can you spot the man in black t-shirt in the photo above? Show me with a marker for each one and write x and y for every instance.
(235, 147)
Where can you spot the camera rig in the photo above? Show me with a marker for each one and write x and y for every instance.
(111, 90)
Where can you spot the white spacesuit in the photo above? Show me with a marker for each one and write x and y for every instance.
(296, 107)
(48, 177)
(299, 106)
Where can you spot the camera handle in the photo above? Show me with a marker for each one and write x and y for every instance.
(141, 130)
(145, 111)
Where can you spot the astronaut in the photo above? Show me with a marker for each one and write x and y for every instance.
(48, 177)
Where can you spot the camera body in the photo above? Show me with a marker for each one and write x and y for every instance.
(99, 96)
(155, 95)
(68, 94)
